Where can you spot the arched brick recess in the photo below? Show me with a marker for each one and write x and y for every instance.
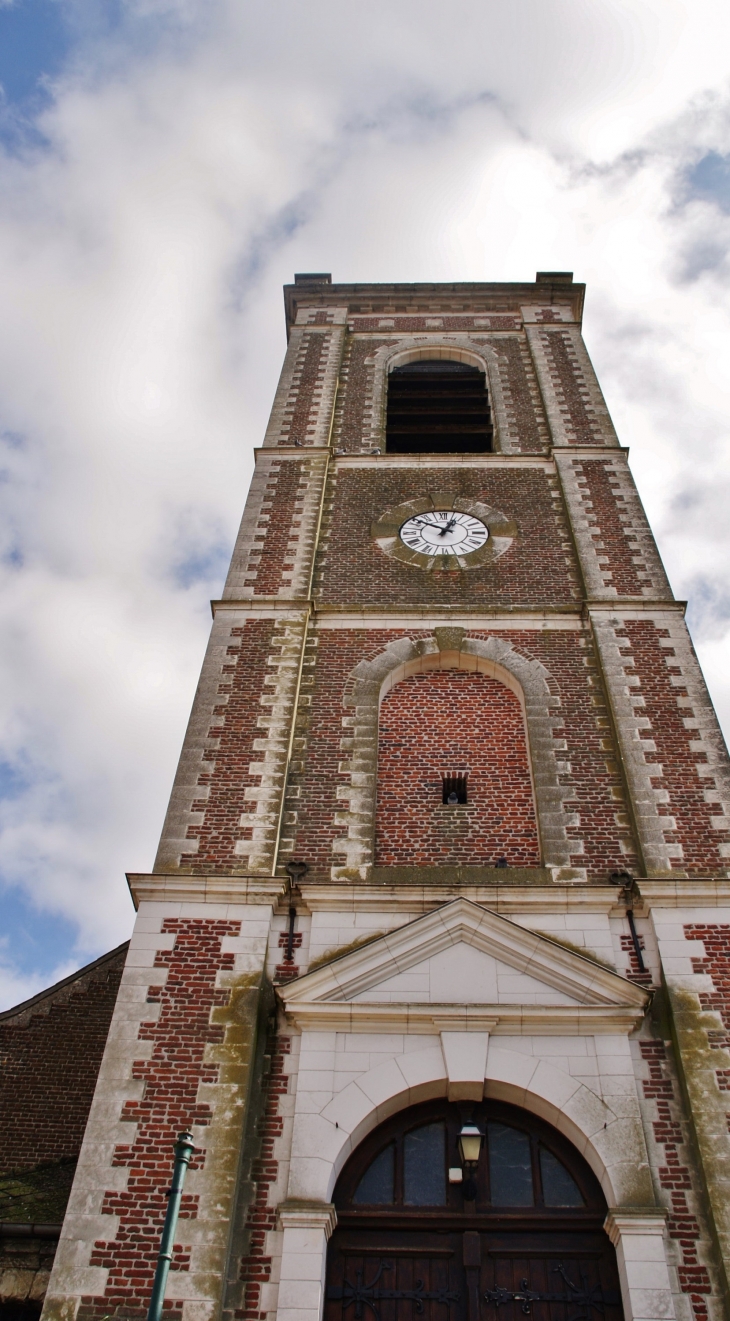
(458, 348)
(448, 649)
(446, 722)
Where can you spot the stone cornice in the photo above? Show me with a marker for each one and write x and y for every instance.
(428, 1020)
(622, 1220)
(571, 611)
(358, 459)
(301, 1214)
(176, 887)
(627, 605)
(432, 299)
(681, 893)
(569, 614)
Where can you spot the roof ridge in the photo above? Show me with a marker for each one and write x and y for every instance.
(26, 1005)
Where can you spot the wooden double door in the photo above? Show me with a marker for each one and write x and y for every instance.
(524, 1238)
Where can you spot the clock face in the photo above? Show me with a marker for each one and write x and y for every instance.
(444, 532)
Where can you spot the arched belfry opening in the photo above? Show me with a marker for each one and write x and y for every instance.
(438, 406)
(454, 785)
(424, 1230)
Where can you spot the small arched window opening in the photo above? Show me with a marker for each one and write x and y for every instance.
(436, 406)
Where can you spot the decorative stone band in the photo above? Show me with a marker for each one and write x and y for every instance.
(409, 894)
(682, 893)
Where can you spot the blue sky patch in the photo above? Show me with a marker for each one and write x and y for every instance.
(34, 41)
(203, 565)
(33, 942)
(709, 180)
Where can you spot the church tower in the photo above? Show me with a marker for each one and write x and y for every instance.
(433, 960)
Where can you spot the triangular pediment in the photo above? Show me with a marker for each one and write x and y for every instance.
(464, 957)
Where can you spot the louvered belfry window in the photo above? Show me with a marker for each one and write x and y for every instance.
(438, 407)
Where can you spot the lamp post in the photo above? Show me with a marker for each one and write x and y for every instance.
(183, 1152)
(470, 1146)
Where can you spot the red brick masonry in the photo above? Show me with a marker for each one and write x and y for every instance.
(674, 1176)
(51, 1051)
(453, 722)
(235, 730)
(169, 1104)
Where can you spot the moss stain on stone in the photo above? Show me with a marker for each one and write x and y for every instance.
(697, 1063)
(340, 951)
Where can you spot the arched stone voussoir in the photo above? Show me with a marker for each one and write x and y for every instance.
(375, 671)
(612, 1144)
(323, 1142)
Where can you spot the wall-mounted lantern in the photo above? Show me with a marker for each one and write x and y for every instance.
(470, 1146)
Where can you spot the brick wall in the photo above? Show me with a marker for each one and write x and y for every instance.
(255, 1266)
(50, 1053)
(436, 724)
(308, 378)
(538, 568)
(522, 400)
(686, 797)
(316, 773)
(357, 420)
(618, 554)
(597, 823)
(675, 1177)
(354, 404)
(277, 528)
(231, 751)
(571, 388)
(172, 1076)
(618, 543)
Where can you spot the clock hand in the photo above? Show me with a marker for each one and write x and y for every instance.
(448, 527)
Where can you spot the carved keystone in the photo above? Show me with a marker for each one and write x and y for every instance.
(449, 639)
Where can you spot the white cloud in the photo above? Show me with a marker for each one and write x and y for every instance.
(189, 161)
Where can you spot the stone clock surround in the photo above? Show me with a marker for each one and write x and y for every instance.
(502, 531)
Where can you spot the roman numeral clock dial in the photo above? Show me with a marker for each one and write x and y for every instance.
(444, 532)
(427, 537)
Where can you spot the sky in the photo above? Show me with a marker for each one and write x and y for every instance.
(165, 167)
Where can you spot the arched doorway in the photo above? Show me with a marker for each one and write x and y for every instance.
(523, 1238)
